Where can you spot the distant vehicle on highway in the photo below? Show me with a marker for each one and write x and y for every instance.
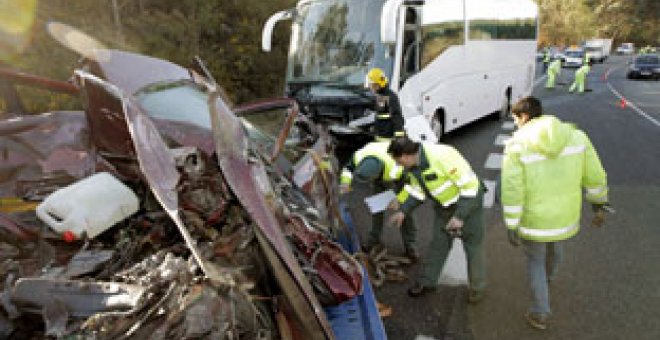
(626, 49)
(598, 49)
(573, 57)
(645, 66)
(555, 53)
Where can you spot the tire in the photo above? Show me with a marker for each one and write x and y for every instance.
(437, 126)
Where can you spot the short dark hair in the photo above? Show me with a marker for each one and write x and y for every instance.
(529, 105)
(402, 146)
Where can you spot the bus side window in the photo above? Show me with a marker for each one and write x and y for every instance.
(444, 24)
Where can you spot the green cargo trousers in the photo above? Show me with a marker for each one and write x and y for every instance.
(550, 82)
(408, 229)
(472, 237)
(580, 80)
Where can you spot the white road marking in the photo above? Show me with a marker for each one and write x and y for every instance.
(633, 106)
(501, 139)
(609, 70)
(508, 125)
(494, 161)
(425, 337)
(538, 81)
(489, 197)
(454, 273)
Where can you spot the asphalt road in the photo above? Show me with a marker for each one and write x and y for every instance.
(609, 284)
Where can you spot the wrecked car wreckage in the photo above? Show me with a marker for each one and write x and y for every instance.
(231, 240)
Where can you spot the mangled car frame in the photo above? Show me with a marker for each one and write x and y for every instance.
(230, 240)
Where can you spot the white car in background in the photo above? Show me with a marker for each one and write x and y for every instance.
(573, 57)
(626, 49)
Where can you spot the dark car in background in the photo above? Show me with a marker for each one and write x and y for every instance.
(645, 66)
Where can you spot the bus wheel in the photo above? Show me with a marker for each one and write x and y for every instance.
(437, 126)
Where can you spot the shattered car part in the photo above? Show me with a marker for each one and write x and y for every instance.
(233, 222)
(41, 153)
(249, 183)
(179, 305)
(157, 164)
(80, 298)
(383, 267)
(87, 261)
(55, 315)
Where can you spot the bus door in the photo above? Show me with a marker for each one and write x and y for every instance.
(410, 56)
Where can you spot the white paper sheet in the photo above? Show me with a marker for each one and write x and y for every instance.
(379, 202)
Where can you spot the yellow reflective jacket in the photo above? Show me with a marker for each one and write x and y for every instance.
(546, 164)
(391, 171)
(445, 175)
(555, 67)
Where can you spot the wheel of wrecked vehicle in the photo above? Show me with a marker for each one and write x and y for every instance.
(437, 126)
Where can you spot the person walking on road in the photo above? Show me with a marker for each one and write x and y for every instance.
(554, 70)
(440, 172)
(389, 119)
(580, 78)
(546, 165)
(373, 166)
(546, 59)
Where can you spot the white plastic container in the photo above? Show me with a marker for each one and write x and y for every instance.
(89, 206)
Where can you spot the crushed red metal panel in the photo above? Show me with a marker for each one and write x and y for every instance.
(22, 78)
(41, 150)
(248, 182)
(131, 71)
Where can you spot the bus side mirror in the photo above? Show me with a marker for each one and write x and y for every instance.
(267, 32)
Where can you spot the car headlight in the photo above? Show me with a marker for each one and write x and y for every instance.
(633, 68)
(656, 70)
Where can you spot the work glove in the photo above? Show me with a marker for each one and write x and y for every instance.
(454, 227)
(514, 238)
(599, 213)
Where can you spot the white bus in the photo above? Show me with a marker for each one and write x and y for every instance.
(450, 61)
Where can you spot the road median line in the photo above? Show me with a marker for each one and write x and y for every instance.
(633, 106)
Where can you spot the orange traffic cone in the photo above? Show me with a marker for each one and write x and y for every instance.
(623, 103)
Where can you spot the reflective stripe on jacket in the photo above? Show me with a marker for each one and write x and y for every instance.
(447, 177)
(391, 172)
(546, 164)
(389, 118)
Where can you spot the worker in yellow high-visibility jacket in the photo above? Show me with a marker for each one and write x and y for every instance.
(554, 70)
(372, 166)
(580, 78)
(547, 164)
(441, 173)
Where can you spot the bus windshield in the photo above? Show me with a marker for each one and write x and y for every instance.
(337, 41)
